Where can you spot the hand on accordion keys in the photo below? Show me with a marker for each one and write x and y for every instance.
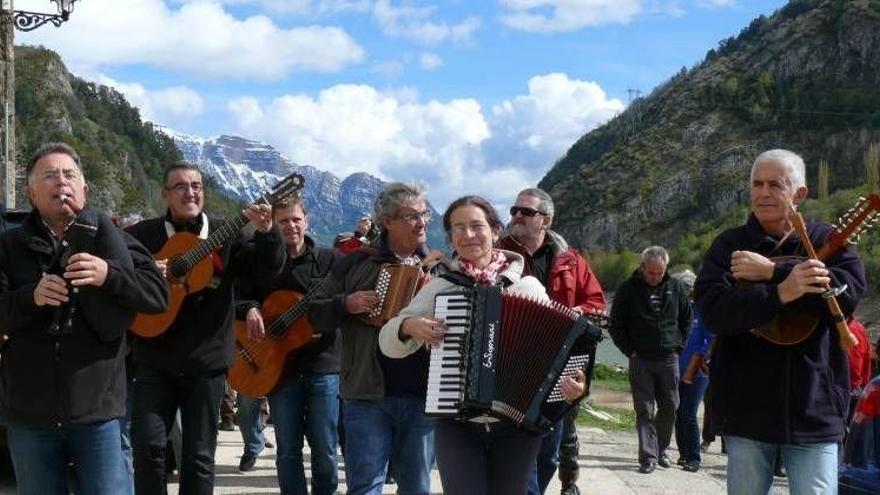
(573, 387)
(428, 331)
(360, 302)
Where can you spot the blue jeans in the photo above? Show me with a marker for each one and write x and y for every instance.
(687, 428)
(547, 461)
(394, 428)
(251, 425)
(306, 405)
(40, 457)
(811, 469)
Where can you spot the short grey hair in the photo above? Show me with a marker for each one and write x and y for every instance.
(50, 149)
(654, 252)
(796, 176)
(686, 277)
(392, 195)
(545, 202)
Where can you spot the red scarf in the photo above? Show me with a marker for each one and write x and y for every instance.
(488, 275)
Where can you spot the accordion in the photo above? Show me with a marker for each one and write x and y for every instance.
(395, 286)
(504, 357)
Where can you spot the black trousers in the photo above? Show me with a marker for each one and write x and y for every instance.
(473, 461)
(569, 449)
(654, 381)
(157, 396)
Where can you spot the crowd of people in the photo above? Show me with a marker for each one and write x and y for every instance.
(79, 389)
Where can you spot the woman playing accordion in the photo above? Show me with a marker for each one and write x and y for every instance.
(473, 457)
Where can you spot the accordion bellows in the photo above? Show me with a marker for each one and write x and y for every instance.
(504, 356)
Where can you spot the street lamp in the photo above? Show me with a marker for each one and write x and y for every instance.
(11, 19)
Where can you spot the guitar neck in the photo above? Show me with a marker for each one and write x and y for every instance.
(217, 238)
(287, 318)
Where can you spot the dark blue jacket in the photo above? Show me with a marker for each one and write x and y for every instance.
(794, 394)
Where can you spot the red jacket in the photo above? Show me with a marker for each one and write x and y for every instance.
(859, 357)
(570, 281)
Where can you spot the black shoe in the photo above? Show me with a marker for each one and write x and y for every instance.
(682, 462)
(691, 466)
(779, 471)
(226, 425)
(647, 468)
(269, 444)
(570, 489)
(664, 461)
(247, 463)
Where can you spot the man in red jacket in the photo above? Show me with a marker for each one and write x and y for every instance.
(569, 280)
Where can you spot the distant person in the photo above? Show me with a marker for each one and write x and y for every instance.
(347, 242)
(694, 380)
(650, 321)
(71, 282)
(769, 398)
(859, 364)
(568, 279)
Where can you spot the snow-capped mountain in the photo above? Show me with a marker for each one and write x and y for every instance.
(244, 169)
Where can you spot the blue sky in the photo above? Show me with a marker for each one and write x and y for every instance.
(467, 96)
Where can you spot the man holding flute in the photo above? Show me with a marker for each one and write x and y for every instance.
(767, 397)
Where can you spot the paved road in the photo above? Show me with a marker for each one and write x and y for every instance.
(608, 467)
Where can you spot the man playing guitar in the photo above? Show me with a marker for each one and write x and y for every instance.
(185, 367)
(305, 402)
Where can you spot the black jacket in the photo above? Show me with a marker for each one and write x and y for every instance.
(200, 338)
(635, 327)
(300, 274)
(77, 377)
(795, 394)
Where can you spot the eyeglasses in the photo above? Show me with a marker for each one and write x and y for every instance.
(425, 216)
(182, 187)
(525, 211)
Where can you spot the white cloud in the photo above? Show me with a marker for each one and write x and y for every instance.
(716, 3)
(171, 107)
(198, 37)
(301, 7)
(430, 61)
(548, 16)
(556, 112)
(450, 145)
(414, 23)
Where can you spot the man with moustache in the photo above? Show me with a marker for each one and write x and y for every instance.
(185, 367)
(384, 398)
(569, 281)
(306, 402)
(71, 282)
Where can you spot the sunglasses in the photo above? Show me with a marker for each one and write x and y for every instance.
(525, 211)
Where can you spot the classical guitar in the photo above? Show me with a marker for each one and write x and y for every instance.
(791, 327)
(190, 268)
(259, 365)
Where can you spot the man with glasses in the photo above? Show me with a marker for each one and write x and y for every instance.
(569, 281)
(383, 398)
(185, 367)
(70, 285)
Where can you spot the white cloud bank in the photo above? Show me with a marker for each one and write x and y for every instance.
(198, 37)
(553, 16)
(453, 146)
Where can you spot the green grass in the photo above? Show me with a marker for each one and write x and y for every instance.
(609, 377)
(625, 419)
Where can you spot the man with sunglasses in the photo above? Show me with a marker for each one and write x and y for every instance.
(569, 281)
(185, 367)
(383, 398)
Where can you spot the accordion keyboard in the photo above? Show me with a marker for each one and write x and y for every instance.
(446, 374)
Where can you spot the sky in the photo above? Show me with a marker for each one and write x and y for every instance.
(464, 96)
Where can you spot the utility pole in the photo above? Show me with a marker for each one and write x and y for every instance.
(7, 101)
(10, 20)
